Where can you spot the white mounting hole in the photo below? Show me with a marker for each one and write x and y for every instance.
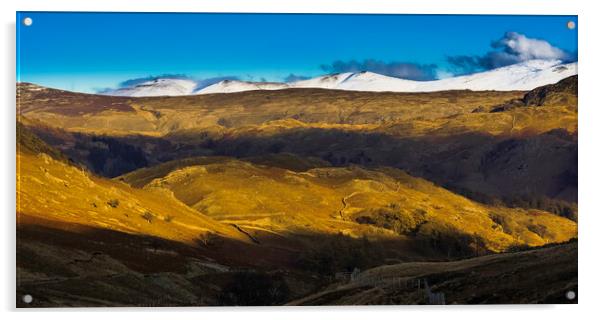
(27, 21)
(27, 298)
(570, 25)
(571, 295)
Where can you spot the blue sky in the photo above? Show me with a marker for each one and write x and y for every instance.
(90, 51)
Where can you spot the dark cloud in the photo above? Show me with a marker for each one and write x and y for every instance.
(512, 48)
(293, 77)
(404, 70)
(103, 90)
(202, 83)
(136, 81)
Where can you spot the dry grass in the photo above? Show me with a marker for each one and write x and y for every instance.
(284, 193)
(55, 190)
(266, 199)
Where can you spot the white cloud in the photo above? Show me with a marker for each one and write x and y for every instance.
(524, 48)
(512, 48)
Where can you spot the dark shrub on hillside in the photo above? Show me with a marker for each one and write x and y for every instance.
(393, 219)
(111, 157)
(526, 201)
(340, 253)
(559, 207)
(452, 244)
(113, 203)
(254, 289)
(475, 195)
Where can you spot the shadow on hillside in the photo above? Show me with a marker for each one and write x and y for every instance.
(318, 253)
(525, 170)
(62, 264)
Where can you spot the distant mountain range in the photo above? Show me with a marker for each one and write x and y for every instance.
(523, 76)
(156, 87)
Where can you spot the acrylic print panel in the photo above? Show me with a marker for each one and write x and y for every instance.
(295, 159)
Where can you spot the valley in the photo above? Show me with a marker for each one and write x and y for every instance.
(263, 197)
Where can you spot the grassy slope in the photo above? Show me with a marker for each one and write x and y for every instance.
(53, 189)
(439, 112)
(446, 137)
(179, 203)
(328, 200)
(163, 115)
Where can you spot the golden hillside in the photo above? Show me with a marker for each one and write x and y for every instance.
(178, 200)
(159, 116)
(514, 148)
(267, 201)
(54, 190)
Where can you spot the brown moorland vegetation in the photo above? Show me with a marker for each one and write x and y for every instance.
(180, 200)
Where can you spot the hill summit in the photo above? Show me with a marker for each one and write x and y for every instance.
(522, 76)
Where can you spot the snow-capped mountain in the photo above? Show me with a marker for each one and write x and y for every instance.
(522, 76)
(227, 86)
(157, 87)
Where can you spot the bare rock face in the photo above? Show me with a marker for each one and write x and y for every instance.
(563, 92)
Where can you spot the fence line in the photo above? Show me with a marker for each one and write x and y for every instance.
(378, 280)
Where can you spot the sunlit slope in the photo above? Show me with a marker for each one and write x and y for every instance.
(383, 203)
(516, 123)
(510, 147)
(155, 116)
(446, 112)
(529, 150)
(54, 190)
